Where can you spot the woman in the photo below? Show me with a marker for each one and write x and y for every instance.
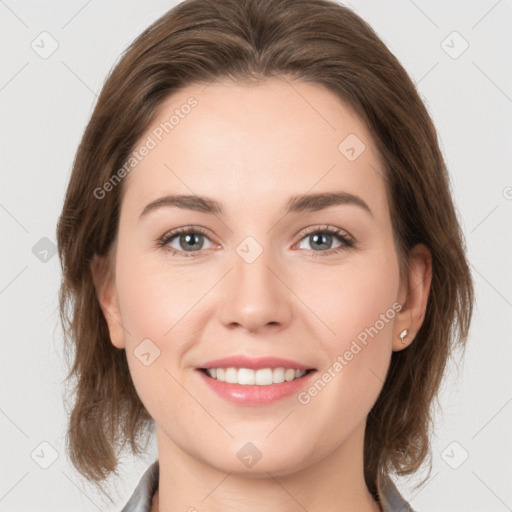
(261, 258)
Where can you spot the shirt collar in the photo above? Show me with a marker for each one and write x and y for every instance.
(140, 501)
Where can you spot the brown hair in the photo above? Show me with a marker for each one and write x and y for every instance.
(316, 41)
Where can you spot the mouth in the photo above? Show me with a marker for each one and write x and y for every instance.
(255, 377)
(255, 381)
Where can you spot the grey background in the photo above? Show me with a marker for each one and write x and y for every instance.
(45, 104)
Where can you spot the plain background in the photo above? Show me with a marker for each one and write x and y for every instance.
(45, 104)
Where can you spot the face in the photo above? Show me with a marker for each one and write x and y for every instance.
(245, 271)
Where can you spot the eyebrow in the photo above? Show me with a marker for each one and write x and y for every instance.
(295, 204)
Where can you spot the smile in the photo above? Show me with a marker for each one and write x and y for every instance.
(250, 377)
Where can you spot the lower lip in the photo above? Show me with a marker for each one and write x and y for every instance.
(256, 395)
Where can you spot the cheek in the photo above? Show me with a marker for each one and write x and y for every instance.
(352, 298)
(159, 308)
(153, 298)
(154, 309)
(357, 306)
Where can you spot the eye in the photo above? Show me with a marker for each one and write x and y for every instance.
(188, 240)
(322, 239)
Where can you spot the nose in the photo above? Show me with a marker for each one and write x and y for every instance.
(256, 294)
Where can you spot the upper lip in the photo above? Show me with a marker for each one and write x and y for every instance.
(254, 362)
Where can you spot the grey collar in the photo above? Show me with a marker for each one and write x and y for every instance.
(140, 501)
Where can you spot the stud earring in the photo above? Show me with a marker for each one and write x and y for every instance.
(402, 335)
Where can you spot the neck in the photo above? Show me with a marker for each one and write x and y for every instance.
(335, 482)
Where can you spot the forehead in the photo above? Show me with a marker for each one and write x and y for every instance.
(252, 143)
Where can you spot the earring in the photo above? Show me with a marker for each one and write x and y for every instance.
(402, 335)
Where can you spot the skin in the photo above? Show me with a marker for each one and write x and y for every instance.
(251, 147)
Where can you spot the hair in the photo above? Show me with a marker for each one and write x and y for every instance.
(316, 41)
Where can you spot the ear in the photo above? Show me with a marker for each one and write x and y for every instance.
(413, 296)
(104, 282)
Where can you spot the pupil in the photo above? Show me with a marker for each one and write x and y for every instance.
(191, 239)
(321, 235)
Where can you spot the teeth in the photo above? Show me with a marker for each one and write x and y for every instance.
(231, 375)
(261, 377)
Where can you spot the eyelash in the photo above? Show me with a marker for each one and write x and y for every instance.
(346, 241)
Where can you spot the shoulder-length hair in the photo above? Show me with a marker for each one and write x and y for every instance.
(318, 41)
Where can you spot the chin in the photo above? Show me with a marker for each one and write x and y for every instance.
(257, 460)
